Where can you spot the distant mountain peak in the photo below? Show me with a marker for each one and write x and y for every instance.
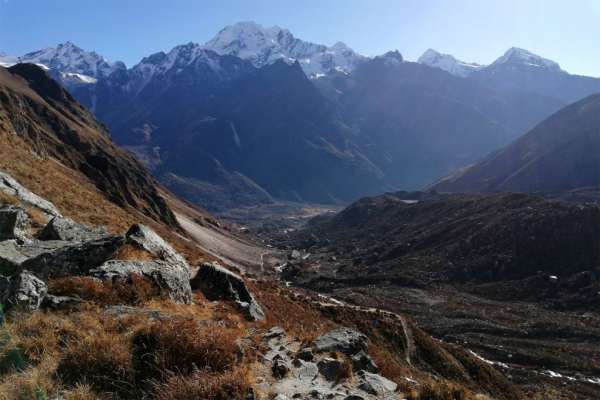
(261, 46)
(518, 56)
(448, 63)
(69, 58)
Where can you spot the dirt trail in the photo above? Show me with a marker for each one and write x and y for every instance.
(232, 251)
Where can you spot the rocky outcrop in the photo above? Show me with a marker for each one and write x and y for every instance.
(73, 258)
(13, 223)
(217, 283)
(22, 290)
(14, 254)
(60, 228)
(172, 279)
(321, 377)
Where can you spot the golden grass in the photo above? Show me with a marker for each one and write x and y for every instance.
(133, 291)
(231, 385)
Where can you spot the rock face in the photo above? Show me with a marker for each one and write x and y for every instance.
(375, 384)
(172, 279)
(217, 283)
(23, 290)
(344, 340)
(13, 254)
(13, 223)
(66, 229)
(74, 258)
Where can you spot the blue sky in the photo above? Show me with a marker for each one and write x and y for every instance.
(127, 30)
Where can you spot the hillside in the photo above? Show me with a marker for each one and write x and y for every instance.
(513, 277)
(558, 155)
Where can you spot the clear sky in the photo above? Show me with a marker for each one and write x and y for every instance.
(567, 31)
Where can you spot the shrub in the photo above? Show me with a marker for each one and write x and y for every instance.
(134, 290)
(232, 385)
(182, 347)
(102, 361)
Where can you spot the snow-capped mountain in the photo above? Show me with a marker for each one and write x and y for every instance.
(73, 62)
(520, 57)
(262, 46)
(448, 63)
(7, 60)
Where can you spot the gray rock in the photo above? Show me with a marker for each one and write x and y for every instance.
(60, 228)
(274, 332)
(13, 254)
(331, 369)
(172, 279)
(217, 283)
(295, 255)
(375, 384)
(305, 354)
(362, 361)
(281, 396)
(23, 290)
(306, 370)
(60, 302)
(143, 237)
(280, 368)
(71, 259)
(13, 224)
(13, 188)
(345, 340)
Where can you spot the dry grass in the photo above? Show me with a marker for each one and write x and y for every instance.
(7, 200)
(134, 290)
(232, 385)
(103, 361)
(183, 347)
(130, 252)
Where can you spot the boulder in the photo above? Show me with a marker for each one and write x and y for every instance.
(375, 384)
(344, 340)
(217, 283)
(13, 223)
(274, 332)
(72, 258)
(305, 354)
(23, 289)
(60, 228)
(13, 188)
(331, 369)
(172, 279)
(145, 238)
(362, 361)
(14, 254)
(280, 368)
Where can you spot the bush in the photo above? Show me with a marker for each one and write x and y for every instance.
(134, 290)
(182, 347)
(103, 362)
(232, 385)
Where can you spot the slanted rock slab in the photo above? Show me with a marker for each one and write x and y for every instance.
(172, 279)
(145, 238)
(10, 186)
(217, 283)
(375, 384)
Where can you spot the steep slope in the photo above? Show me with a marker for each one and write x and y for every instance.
(520, 71)
(216, 129)
(560, 154)
(417, 121)
(39, 112)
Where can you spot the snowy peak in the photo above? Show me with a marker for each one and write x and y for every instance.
(261, 46)
(448, 63)
(7, 60)
(69, 58)
(520, 57)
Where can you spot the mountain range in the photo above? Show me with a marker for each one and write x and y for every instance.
(256, 114)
